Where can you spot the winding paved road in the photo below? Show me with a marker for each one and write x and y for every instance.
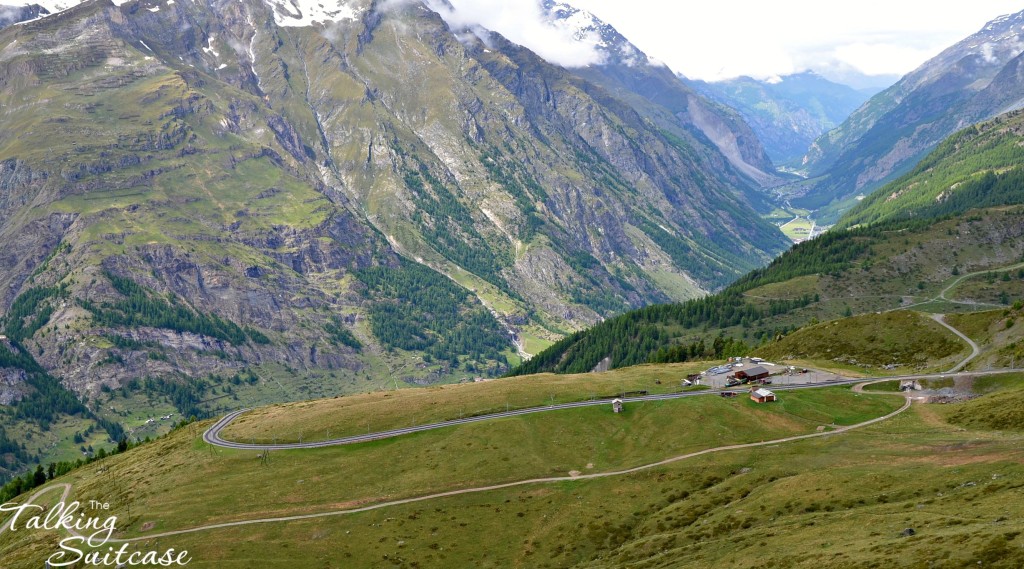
(548, 480)
(213, 434)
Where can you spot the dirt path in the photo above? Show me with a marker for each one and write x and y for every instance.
(975, 349)
(34, 497)
(942, 295)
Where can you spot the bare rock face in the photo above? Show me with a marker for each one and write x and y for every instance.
(12, 385)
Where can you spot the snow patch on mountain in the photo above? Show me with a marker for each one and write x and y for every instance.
(54, 6)
(49, 7)
(299, 13)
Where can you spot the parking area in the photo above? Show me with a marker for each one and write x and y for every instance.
(780, 374)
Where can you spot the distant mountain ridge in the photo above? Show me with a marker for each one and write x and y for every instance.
(976, 79)
(787, 113)
(10, 15)
(653, 89)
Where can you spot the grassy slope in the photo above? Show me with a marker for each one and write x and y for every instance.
(832, 502)
(383, 410)
(903, 339)
(998, 332)
(999, 411)
(224, 485)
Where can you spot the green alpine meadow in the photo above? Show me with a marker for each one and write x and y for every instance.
(480, 283)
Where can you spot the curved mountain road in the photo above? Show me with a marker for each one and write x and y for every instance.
(549, 480)
(556, 479)
(975, 349)
(213, 434)
(31, 499)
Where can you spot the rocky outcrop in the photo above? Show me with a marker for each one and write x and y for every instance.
(12, 385)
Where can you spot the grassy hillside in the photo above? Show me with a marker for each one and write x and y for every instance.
(227, 485)
(885, 266)
(952, 484)
(998, 332)
(900, 340)
(999, 409)
(381, 410)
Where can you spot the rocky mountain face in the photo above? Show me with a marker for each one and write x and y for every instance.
(971, 81)
(655, 91)
(352, 189)
(788, 113)
(10, 15)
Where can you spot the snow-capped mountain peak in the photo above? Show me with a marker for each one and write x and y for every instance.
(586, 27)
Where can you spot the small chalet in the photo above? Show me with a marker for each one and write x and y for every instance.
(617, 405)
(753, 374)
(762, 395)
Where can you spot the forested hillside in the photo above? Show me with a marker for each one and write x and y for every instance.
(980, 166)
(957, 212)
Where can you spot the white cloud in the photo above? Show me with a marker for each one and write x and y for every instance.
(879, 58)
(9, 13)
(524, 23)
(726, 38)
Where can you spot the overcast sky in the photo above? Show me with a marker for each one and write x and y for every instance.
(720, 39)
